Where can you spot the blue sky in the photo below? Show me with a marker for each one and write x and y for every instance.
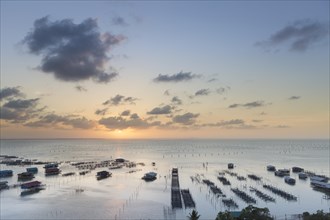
(226, 46)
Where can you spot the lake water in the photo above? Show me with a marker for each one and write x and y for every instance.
(126, 196)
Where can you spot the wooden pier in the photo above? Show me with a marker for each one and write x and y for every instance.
(175, 190)
(187, 199)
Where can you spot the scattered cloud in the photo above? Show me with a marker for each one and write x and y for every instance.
(58, 121)
(257, 121)
(294, 97)
(231, 124)
(176, 100)
(125, 113)
(167, 109)
(81, 88)
(10, 92)
(178, 77)
(101, 111)
(72, 52)
(120, 100)
(202, 92)
(300, 35)
(212, 80)
(120, 123)
(185, 119)
(254, 104)
(119, 21)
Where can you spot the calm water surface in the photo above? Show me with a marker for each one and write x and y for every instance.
(126, 196)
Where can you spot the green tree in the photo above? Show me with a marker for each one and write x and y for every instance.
(255, 213)
(193, 215)
(224, 216)
(319, 215)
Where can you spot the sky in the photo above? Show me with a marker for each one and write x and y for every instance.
(164, 69)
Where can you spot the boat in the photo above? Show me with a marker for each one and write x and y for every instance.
(52, 171)
(4, 185)
(25, 176)
(230, 166)
(6, 173)
(31, 187)
(102, 175)
(150, 176)
(51, 165)
(289, 180)
(320, 184)
(319, 178)
(32, 169)
(297, 169)
(271, 168)
(282, 173)
(68, 174)
(302, 175)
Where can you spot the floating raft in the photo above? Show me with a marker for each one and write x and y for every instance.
(175, 190)
(187, 199)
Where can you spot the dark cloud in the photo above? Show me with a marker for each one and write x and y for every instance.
(126, 113)
(10, 92)
(294, 97)
(20, 110)
(21, 103)
(167, 109)
(81, 88)
(120, 100)
(72, 52)
(234, 105)
(300, 35)
(257, 121)
(176, 100)
(101, 111)
(185, 119)
(120, 21)
(178, 77)
(58, 121)
(254, 104)
(202, 92)
(120, 123)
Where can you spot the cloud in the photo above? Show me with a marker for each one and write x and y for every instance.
(257, 121)
(176, 100)
(212, 80)
(254, 104)
(58, 121)
(185, 119)
(167, 109)
(119, 21)
(126, 113)
(222, 90)
(20, 110)
(120, 123)
(282, 126)
(21, 103)
(101, 111)
(202, 92)
(294, 97)
(81, 88)
(178, 77)
(72, 52)
(231, 124)
(167, 92)
(10, 92)
(300, 35)
(120, 100)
